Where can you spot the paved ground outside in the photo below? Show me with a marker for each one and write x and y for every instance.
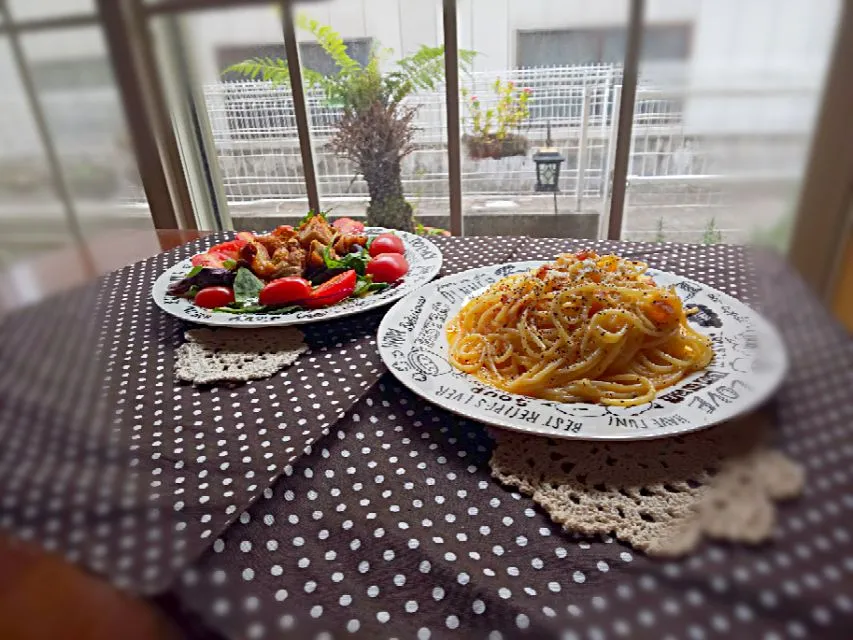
(689, 216)
(686, 217)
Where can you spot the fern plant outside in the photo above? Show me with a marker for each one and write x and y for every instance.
(377, 127)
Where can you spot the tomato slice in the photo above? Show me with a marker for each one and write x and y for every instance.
(230, 249)
(348, 225)
(213, 260)
(332, 291)
(286, 290)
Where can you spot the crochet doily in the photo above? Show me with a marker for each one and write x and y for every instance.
(660, 496)
(236, 355)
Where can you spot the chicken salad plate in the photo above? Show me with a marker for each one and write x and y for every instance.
(296, 275)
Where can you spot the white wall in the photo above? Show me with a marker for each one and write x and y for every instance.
(736, 43)
(744, 41)
(758, 46)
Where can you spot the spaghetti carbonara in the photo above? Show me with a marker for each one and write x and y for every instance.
(585, 328)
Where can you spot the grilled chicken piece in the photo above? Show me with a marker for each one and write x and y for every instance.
(287, 258)
(344, 243)
(273, 241)
(315, 262)
(316, 229)
(285, 231)
(256, 255)
(290, 257)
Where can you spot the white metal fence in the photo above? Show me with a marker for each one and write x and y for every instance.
(255, 135)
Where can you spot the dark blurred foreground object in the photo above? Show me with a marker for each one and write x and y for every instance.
(43, 596)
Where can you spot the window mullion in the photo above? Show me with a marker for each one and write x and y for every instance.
(625, 125)
(451, 74)
(300, 109)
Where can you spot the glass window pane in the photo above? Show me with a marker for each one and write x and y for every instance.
(26, 194)
(34, 9)
(251, 121)
(721, 139)
(530, 81)
(371, 156)
(553, 48)
(666, 42)
(82, 106)
(88, 131)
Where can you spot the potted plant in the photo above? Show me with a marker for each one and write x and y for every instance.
(494, 130)
(377, 127)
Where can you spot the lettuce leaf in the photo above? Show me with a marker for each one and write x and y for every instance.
(247, 286)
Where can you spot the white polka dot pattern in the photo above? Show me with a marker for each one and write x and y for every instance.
(392, 527)
(106, 459)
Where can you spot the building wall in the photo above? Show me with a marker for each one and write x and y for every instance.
(759, 45)
(736, 44)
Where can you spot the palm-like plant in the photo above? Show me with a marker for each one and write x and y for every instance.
(377, 127)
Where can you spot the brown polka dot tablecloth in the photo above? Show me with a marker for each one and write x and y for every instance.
(108, 460)
(392, 527)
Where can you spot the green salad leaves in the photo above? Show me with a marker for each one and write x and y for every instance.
(247, 286)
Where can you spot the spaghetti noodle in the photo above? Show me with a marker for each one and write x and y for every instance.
(585, 328)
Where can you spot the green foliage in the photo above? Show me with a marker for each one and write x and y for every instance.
(712, 235)
(376, 129)
(509, 112)
(268, 69)
(424, 69)
(354, 85)
(332, 43)
(311, 213)
(660, 236)
(357, 261)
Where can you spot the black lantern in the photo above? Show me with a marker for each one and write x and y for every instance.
(548, 160)
(548, 163)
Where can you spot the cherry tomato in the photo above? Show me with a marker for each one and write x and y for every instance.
(212, 297)
(387, 267)
(285, 291)
(332, 291)
(387, 243)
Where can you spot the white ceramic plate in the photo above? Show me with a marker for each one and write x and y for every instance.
(749, 364)
(424, 260)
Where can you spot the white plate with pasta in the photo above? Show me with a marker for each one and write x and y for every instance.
(588, 347)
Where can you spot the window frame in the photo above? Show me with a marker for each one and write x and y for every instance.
(126, 28)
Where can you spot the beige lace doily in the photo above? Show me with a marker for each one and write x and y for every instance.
(659, 496)
(236, 355)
